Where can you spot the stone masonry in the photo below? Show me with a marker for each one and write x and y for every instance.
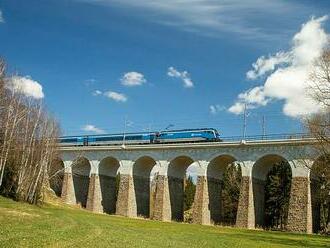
(94, 198)
(68, 194)
(300, 212)
(162, 208)
(201, 212)
(245, 211)
(126, 205)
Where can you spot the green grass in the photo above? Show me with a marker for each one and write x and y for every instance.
(23, 225)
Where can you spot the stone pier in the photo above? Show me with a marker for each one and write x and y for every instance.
(94, 199)
(201, 211)
(300, 204)
(68, 194)
(162, 208)
(126, 205)
(245, 212)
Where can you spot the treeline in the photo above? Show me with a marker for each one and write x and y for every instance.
(27, 142)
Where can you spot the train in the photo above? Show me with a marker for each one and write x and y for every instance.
(162, 137)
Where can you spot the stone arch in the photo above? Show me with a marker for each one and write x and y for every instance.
(108, 170)
(176, 174)
(80, 174)
(141, 178)
(318, 174)
(260, 170)
(56, 176)
(215, 172)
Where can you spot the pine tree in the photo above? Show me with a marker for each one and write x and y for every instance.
(189, 193)
(230, 193)
(277, 196)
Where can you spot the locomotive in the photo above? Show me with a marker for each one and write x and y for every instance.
(163, 137)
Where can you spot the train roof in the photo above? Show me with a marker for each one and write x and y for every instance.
(140, 133)
(190, 129)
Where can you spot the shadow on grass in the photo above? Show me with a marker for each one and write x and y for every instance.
(285, 239)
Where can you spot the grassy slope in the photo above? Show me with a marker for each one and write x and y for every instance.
(23, 225)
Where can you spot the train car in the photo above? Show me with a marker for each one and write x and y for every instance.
(73, 141)
(118, 139)
(173, 136)
(108, 139)
(188, 135)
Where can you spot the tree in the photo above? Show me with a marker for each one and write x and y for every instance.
(28, 143)
(189, 193)
(230, 192)
(319, 127)
(277, 196)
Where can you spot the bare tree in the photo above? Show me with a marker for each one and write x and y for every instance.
(319, 127)
(28, 143)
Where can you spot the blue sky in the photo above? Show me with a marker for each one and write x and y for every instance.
(157, 63)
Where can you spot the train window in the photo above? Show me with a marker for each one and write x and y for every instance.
(68, 140)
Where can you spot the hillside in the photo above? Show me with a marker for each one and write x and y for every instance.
(24, 225)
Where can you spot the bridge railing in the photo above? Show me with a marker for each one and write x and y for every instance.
(268, 137)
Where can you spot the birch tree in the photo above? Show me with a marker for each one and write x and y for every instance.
(28, 143)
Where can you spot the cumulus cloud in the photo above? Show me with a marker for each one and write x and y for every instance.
(214, 109)
(184, 76)
(264, 65)
(133, 78)
(249, 99)
(92, 128)
(287, 73)
(118, 97)
(25, 85)
(1, 17)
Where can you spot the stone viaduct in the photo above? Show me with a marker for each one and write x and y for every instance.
(90, 179)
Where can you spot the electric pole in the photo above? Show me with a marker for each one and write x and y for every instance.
(124, 136)
(244, 122)
(263, 127)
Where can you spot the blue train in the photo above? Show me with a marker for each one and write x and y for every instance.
(173, 136)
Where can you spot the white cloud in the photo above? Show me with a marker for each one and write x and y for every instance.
(209, 17)
(2, 20)
(118, 97)
(97, 93)
(237, 108)
(184, 76)
(133, 79)
(250, 99)
(215, 109)
(25, 85)
(287, 73)
(264, 65)
(92, 128)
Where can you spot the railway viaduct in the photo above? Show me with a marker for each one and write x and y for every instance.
(90, 173)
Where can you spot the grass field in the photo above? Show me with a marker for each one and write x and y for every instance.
(23, 225)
